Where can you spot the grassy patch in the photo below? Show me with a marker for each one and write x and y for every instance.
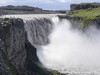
(90, 13)
(85, 16)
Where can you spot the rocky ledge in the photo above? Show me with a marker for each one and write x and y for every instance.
(17, 55)
(84, 14)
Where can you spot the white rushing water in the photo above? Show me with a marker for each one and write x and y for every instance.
(30, 16)
(71, 51)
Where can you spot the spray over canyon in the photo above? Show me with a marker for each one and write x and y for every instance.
(70, 50)
(61, 47)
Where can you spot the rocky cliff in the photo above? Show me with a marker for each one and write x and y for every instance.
(84, 6)
(84, 14)
(17, 55)
(13, 40)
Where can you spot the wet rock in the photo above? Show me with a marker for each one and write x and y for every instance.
(12, 33)
(17, 54)
(4, 69)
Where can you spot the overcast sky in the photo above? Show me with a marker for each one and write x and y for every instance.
(45, 4)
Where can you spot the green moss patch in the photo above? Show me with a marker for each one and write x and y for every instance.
(85, 16)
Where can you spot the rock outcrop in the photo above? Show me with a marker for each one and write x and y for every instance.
(4, 69)
(12, 35)
(84, 6)
(17, 55)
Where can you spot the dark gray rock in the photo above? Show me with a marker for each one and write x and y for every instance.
(84, 6)
(4, 69)
(12, 33)
(32, 65)
(17, 54)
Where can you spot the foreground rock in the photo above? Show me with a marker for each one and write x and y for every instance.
(17, 55)
(12, 34)
(14, 58)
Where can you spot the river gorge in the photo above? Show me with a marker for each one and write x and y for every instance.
(34, 44)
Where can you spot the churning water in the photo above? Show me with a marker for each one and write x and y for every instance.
(68, 50)
(71, 51)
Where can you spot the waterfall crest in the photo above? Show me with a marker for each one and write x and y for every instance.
(60, 47)
(38, 30)
(37, 26)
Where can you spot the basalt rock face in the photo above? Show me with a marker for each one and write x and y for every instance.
(31, 65)
(12, 35)
(4, 69)
(17, 55)
(84, 6)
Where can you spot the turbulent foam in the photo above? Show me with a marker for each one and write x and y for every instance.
(71, 51)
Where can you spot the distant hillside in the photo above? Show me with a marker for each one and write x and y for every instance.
(84, 6)
(84, 16)
(23, 10)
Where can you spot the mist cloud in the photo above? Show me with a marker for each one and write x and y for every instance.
(71, 49)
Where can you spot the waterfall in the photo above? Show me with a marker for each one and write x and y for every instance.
(37, 27)
(62, 48)
(38, 30)
(70, 50)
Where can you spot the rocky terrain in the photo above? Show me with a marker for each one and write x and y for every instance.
(17, 55)
(84, 6)
(84, 14)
